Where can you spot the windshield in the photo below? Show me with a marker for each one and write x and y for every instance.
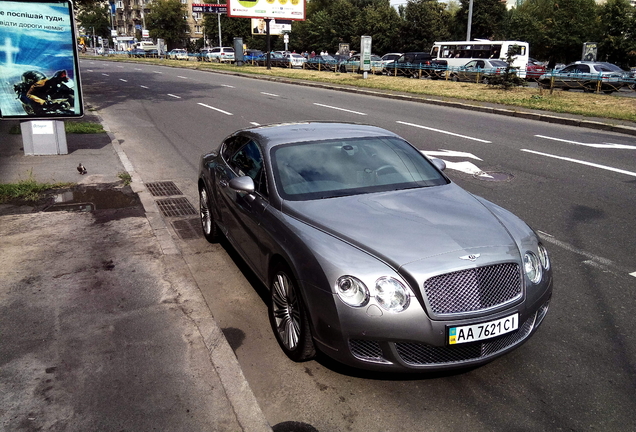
(325, 169)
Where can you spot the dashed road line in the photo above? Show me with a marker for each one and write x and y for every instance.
(215, 109)
(339, 109)
(444, 132)
(595, 165)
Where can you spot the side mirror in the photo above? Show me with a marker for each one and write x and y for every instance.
(440, 164)
(242, 184)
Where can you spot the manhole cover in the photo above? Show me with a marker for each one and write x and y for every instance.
(494, 176)
(188, 229)
(163, 189)
(175, 207)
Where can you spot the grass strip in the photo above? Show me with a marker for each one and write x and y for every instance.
(27, 190)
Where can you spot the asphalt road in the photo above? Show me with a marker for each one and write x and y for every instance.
(575, 186)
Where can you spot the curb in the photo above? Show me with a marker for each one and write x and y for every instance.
(246, 409)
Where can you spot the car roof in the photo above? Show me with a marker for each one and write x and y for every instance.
(285, 133)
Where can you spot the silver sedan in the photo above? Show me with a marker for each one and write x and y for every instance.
(370, 253)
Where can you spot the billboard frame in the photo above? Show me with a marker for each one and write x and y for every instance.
(294, 10)
(40, 60)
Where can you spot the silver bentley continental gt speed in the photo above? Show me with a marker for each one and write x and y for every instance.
(370, 253)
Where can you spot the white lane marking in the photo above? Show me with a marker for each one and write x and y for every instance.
(121, 67)
(179, 76)
(444, 132)
(121, 79)
(174, 96)
(464, 166)
(255, 124)
(105, 74)
(604, 145)
(215, 109)
(157, 72)
(89, 70)
(630, 173)
(227, 85)
(450, 153)
(138, 69)
(339, 109)
(143, 86)
(270, 94)
(590, 258)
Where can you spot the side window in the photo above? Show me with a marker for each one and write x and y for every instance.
(231, 145)
(584, 69)
(248, 161)
(481, 64)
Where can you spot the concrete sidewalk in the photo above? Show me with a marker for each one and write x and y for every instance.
(103, 326)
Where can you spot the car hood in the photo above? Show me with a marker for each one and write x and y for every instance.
(400, 227)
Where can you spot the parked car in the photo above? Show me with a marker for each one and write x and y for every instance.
(389, 58)
(217, 54)
(275, 60)
(177, 54)
(535, 69)
(251, 55)
(479, 70)
(294, 60)
(417, 65)
(137, 52)
(586, 76)
(353, 64)
(370, 253)
(322, 62)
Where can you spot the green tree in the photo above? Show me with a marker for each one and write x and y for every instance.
(166, 20)
(380, 21)
(94, 17)
(487, 22)
(555, 29)
(617, 44)
(423, 22)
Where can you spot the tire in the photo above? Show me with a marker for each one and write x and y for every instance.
(288, 317)
(484, 80)
(208, 225)
(455, 78)
(343, 69)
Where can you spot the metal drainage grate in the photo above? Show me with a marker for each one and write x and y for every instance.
(175, 207)
(163, 189)
(188, 229)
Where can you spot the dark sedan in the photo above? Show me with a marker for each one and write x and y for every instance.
(370, 253)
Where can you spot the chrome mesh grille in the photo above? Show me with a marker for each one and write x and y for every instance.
(472, 290)
(421, 354)
(367, 350)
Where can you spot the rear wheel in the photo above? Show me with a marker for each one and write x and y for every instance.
(454, 78)
(288, 317)
(210, 229)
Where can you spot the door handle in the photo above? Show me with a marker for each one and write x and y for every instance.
(223, 183)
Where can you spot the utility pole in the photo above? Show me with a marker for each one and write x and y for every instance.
(470, 20)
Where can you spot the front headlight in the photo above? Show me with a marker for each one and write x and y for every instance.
(543, 257)
(391, 294)
(532, 267)
(352, 291)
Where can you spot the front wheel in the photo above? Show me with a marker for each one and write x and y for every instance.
(210, 229)
(288, 317)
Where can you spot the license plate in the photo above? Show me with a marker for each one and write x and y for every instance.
(487, 330)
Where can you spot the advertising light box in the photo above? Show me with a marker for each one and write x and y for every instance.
(38, 61)
(274, 9)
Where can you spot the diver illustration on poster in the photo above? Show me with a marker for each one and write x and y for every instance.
(39, 75)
